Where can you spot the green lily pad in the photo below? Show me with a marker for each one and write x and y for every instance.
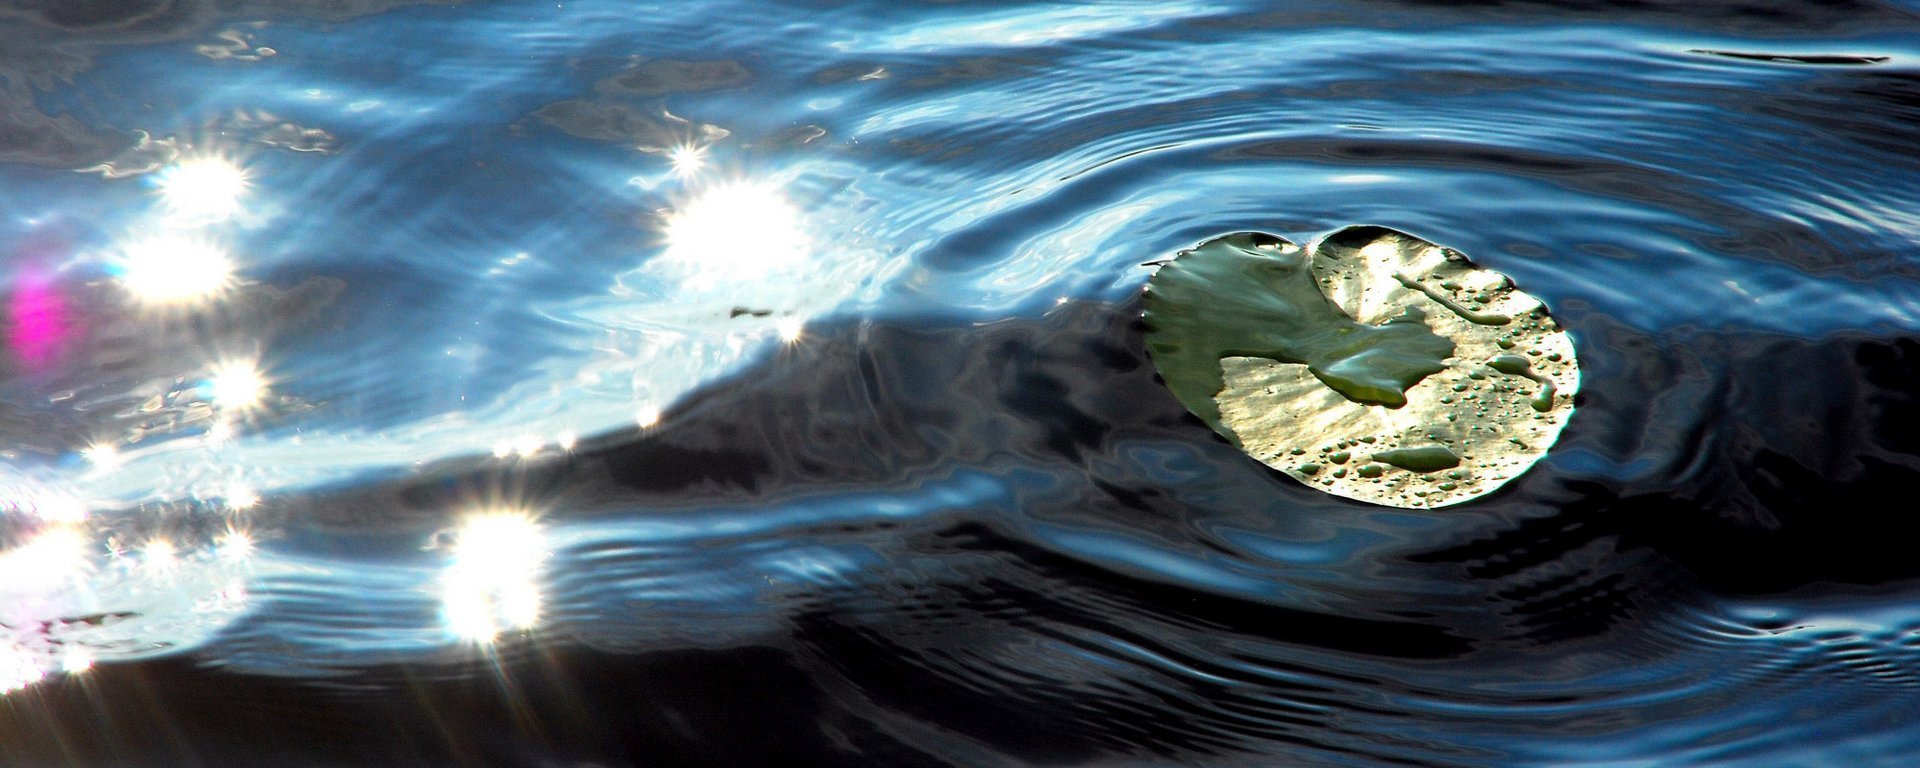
(1437, 378)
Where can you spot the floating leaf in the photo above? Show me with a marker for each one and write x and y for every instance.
(1371, 364)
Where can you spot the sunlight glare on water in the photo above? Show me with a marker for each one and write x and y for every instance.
(202, 189)
(687, 160)
(237, 385)
(76, 660)
(53, 559)
(174, 268)
(19, 668)
(656, 356)
(493, 584)
(26, 498)
(735, 231)
(236, 545)
(102, 455)
(172, 260)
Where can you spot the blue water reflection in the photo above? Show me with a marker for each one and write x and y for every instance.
(440, 374)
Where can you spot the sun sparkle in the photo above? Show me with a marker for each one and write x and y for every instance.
(237, 385)
(160, 555)
(492, 585)
(203, 189)
(238, 497)
(790, 329)
(52, 507)
(687, 159)
(220, 432)
(102, 455)
(733, 231)
(50, 560)
(527, 445)
(171, 268)
(76, 661)
(19, 668)
(235, 545)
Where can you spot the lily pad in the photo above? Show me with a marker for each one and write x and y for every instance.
(1370, 364)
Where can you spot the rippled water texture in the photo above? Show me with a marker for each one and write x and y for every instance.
(594, 383)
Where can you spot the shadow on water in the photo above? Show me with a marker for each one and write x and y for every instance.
(1771, 16)
(1049, 627)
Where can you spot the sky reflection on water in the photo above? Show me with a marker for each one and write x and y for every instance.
(700, 379)
(218, 435)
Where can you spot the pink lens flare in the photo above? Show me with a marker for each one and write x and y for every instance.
(39, 324)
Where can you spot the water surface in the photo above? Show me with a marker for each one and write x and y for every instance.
(594, 383)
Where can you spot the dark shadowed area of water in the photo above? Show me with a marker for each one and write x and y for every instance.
(589, 383)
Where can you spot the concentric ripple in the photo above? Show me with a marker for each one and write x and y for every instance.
(740, 383)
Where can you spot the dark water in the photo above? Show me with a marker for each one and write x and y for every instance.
(751, 384)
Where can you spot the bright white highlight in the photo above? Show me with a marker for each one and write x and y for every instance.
(733, 232)
(647, 417)
(76, 661)
(238, 497)
(159, 555)
(55, 570)
(102, 455)
(56, 508)
(237, 385)
(220, 432)
(49, 562)
(790, 329)
(235, 545)
(203, 189)
(19, 668)
(687, 160)
(527, 445)
(493, 583)
(172, 268)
